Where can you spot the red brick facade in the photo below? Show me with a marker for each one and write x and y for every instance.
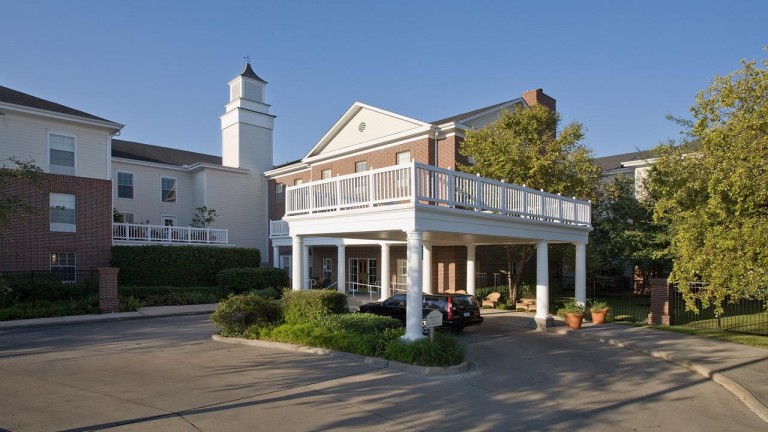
(28, 240)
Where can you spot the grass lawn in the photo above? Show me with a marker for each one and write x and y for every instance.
(721, 335)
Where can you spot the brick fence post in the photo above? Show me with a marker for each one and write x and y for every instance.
(108, 300)
(661, 296)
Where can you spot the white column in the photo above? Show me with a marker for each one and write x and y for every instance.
(471, 271)
(426, 265)
(385, 272)
(581, 273)
(305, 270)
(414, 294)
(340, 269)
(542, 282)
(276, 256)
(296, 263)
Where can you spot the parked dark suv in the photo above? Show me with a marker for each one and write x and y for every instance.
(459, 310)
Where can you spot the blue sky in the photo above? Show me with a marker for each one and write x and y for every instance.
(162, 67)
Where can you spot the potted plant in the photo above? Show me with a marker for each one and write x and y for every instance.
(573, 313)
(599, 310)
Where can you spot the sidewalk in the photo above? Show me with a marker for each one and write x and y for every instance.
(145, 312)
(741, 369)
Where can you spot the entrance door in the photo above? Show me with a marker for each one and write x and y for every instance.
(168, 220)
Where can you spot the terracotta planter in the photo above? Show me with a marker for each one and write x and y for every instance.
(598, 317)
(573, 320)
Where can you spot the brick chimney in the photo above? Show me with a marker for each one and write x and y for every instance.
(537, 97)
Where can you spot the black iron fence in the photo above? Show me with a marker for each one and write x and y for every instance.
(743, 316)
(629, 300)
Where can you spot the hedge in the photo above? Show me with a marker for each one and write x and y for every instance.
(239, 280)
(178, 265)
(239, 312)
(308, 306)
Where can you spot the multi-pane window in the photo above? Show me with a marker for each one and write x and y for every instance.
(168, 186)
(402, 274)
(62, 212)
(325, 174)
(124, 185)
(61, 156)
(63, 266)
(404, 157)
(279, 193)
(361, 166)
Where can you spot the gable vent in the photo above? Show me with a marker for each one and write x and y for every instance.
(361, 126)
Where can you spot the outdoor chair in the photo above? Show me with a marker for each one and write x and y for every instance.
(492, 300)
(528, 303)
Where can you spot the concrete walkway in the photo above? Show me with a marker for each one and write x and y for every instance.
(742, 370)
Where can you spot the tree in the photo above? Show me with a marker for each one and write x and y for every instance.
(204, 217)
(523, 147)
(715, 198)
(14, 171)
(625, 233)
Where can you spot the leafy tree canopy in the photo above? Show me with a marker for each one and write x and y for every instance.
(522, 147)
(715, 198)
(11, 200)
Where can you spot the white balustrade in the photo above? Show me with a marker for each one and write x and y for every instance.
(426, 185)
(140, 233)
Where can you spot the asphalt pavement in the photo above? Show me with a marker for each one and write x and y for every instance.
(741, 370)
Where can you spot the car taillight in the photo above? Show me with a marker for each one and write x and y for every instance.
(449, 306)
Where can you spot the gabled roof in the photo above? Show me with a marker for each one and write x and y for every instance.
(476, 112)
(15, 97)
(164, 155)
(396, 124)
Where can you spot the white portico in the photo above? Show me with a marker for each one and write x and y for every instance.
(421, 204)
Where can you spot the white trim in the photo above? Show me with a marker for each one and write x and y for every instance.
(175, 186)
(58, 132)
(189, 168)
(59, 116)
(288, 169)
(379, 143)
(117, 184)
(347, 116)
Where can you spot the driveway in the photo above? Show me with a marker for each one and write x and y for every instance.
(167, 374)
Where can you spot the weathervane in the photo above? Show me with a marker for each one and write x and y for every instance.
(247, 59)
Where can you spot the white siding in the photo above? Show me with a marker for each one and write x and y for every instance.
(26, 137)
(241, 204)
(147, 204)
(377, 125)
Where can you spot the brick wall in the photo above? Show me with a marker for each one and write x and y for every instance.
(660, 302)
(537, 97)
(28, 241)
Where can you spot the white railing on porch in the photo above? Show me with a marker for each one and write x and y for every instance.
(278, 228)
(140, 233)
(426, 185)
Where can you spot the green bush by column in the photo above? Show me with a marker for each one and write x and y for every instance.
(178, 265)
(308, 306)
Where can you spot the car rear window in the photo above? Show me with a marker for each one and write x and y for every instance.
(465, 300)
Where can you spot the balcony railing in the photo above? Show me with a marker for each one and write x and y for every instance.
(278, 228)
(139, 233)
(428, 185)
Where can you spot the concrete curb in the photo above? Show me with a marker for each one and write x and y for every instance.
(423, 370)
(95, 318)
(747, 398)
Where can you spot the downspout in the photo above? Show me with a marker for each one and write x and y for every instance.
(437, 131)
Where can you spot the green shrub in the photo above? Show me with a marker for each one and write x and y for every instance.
(178, 265)
(239, 312)
(443, 352)
(170, 295)
(362, 323)
(46, 308)
(240, 280)
(268, 293)
(310, 306)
